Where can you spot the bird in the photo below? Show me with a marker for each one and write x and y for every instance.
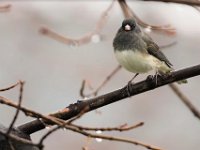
(137, 52)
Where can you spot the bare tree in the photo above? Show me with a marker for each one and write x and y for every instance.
(18, 138)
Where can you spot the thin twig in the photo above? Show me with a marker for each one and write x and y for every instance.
(167, 45)
(120, 128)
(75, 129)
(185, 100)
(18, 109)
(84, 110)
(10, 87)
(84, 39)
(94, 93)
(32, 113)
(79, 129)
(82, 89)
(111, 138)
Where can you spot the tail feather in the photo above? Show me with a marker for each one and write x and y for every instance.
(182, 81)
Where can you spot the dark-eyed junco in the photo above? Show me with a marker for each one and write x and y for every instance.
(137, 52)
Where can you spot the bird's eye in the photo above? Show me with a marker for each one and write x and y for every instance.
(127, 27)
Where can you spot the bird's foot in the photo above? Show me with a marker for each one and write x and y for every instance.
(129, 84)
(153, 79)
(149, 78)
(128, 88)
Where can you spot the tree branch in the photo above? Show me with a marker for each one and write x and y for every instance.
(5, 8)
(128, 12)
(103, 100)
(185, 100)
(187, 2)
(84, 39)
(18, 109)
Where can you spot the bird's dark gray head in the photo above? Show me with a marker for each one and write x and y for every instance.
(128, 25)
(127, 35)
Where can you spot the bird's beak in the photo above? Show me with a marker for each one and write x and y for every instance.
(127, 27)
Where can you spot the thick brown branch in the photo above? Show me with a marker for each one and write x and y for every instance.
(100, 101)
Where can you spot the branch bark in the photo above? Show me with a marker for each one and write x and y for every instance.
(187, 2)
(93, 103)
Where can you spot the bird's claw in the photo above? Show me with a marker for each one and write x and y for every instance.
(129, 88)
(150, 78)
(153, 79)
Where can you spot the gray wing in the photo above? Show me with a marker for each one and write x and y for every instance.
(153, 49)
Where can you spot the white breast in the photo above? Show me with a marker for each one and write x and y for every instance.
(135, 61)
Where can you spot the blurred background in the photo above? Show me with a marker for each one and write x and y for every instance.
(53, 71)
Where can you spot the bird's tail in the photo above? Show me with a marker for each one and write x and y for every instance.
(164, 69)
(182, 81)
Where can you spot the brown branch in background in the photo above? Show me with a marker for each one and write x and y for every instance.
(103, 137)
(121, 128)
(31, 113)
(111, 138)
(91, 135)
(18, 107)
(81, 92)
(185, 100)
(5, 8)
(92, 36)
(79, 129)
(167, 45)
(10, 87)
(65, 125)
(94, 93)
(187, 2)
(128, 13)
